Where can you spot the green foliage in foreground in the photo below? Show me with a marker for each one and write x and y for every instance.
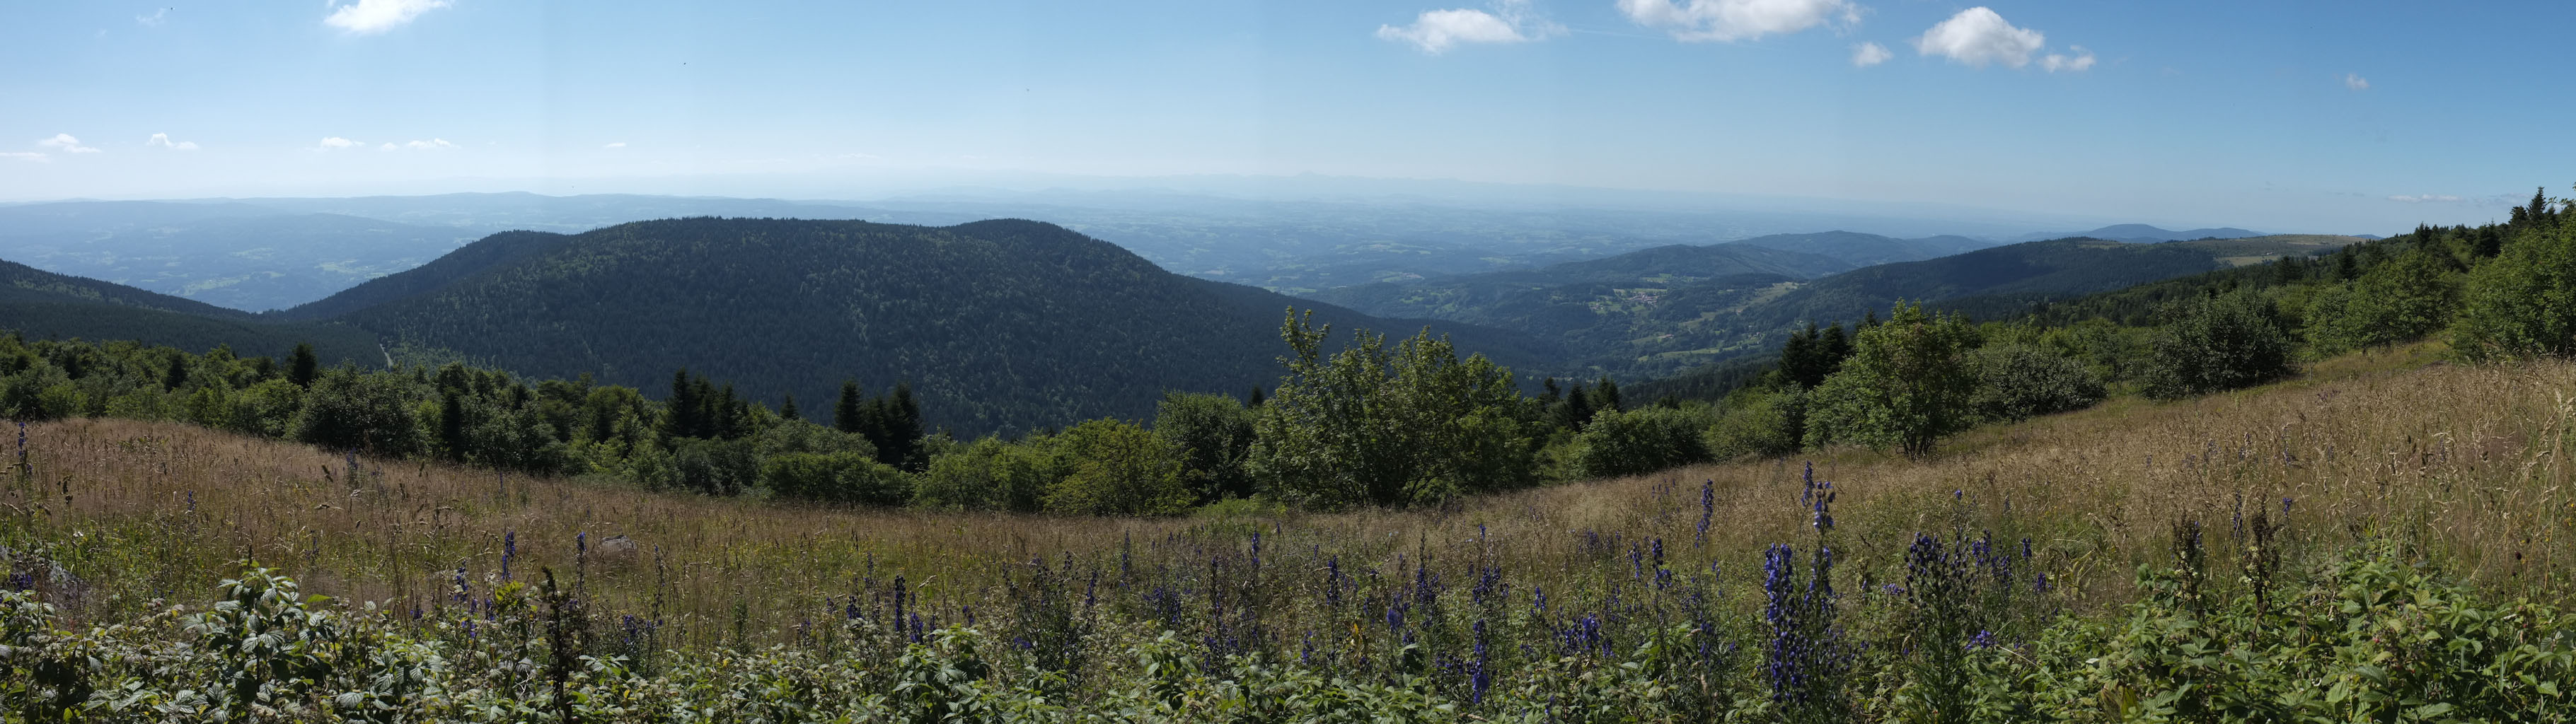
(2373, 636)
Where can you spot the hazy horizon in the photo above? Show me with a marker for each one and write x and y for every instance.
(2329, 117)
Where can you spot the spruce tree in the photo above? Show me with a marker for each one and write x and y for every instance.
(305, 367)
(846, 414)
(1606, 393)
(787, 410)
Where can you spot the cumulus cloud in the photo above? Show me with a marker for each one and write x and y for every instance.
(26, 156)
(155, 19)
(2427, 198)
(65, 143)
(2082, 60)
(615, 144)
(1978, 37)
(2355, 82)
(163, 140)
(1868, 54)
(376, 16)
(1436, 31)
(434, 144)
(335, 143)
(1731, 20)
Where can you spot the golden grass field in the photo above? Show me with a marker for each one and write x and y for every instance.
(2467, 462)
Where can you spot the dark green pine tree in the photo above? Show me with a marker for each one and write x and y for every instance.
(728, 417)
(1798, 358)
(787, 410)
(847, 414)
(684, 406)
(177, 375)
(451, 425)
(1605, 393)
(1256, 397)
(900, 424)
(1575, 411)
(1553, 395)
(305, 367)
(1833, 348)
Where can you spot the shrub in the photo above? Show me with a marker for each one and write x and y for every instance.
(2217, 343)
(987, 475)
(351, 410)
(1115, 468)
(1643, 440)
(2019, 382)
(1906, 386)
(838, 477)
(2523, 303)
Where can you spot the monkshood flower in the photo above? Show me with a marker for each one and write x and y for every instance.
(1707, 509)
(509, 550)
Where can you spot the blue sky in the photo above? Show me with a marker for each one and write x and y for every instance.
(2322, 116)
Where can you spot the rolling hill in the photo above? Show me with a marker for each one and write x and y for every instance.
(997, 325)
(2143, 234)
(44, 305)
(1658, 312)
(1862, 250)
(245, 261)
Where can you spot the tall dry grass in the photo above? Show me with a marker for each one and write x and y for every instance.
(2468, 463)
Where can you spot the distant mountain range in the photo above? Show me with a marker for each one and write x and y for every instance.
(998, 325)
(2143, 234)
(1660, 311)
(1861, 250)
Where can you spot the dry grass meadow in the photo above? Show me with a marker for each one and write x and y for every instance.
(2468, 463)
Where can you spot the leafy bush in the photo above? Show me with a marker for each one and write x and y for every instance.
(350, 410)
(1772, 423)
(839, 477)
(987, 475)
(1642, 440)
(1906, 385)
(2019, 382)
(2215, 344)
(2523, 302)
(1115, 468)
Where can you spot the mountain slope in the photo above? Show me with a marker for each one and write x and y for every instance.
(1860, 250)
(45, 305)
(482, 255)
(2039, 269)
(248, 262)
(2143, 234)
(997, 325)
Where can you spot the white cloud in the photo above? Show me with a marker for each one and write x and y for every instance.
(26, 156)
(617, 144)
(389, 146)
(1436, 31)
(66, 143)
(2355, 82)
(1868, 54)
(376, 16)
(154, 19)
(2427, 198)
(336, 143)
(434, 144)
(1732, 20)
(2081, 61)
(1977, 36)
(163, 140)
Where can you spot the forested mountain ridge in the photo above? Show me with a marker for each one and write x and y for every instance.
(487, 253)
(1862, 250)
(997, 325)
(45, 305)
